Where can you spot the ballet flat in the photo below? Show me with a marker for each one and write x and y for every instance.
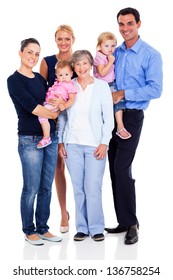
(35, 242)
(51, 239)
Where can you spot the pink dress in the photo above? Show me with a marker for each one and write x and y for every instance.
(61, 88)
(102, 59)
(58, 88)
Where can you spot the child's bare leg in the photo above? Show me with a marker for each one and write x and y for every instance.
(121, 131)
(119, 119)
(46, 140)
(46, 129)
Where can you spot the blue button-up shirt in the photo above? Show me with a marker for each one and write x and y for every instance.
(138, 71)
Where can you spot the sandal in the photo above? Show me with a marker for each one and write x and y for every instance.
(44, 142)
(121, 136)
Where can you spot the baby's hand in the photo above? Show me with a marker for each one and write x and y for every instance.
(111, 58)
(61, 107)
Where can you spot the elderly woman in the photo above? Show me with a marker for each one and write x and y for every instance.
(84, 137)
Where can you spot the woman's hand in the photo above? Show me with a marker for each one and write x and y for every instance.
(41, 111)
(61, 150)
(56, 101)
(100, 151)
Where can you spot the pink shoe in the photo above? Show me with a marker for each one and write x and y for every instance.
(127, 134)
(44, 142)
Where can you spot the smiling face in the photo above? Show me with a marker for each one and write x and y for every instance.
(64, 41)
(30, 55)
(128, 28)
(83, 67)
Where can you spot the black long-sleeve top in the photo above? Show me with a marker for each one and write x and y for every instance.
(26, 93)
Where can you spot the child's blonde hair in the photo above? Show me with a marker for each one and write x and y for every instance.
(105, 36)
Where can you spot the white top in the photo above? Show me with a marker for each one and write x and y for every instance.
(81, 130)
(100, 121)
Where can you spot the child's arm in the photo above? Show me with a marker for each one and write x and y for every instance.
(103, 69)
(68, 103)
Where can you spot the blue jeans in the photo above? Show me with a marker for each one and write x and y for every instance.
(86, 174)
(38, 167)
(121, 105)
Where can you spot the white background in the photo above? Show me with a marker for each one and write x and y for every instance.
(152, 167)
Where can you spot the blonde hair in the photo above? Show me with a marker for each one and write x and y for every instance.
(66, 28)
(105, 36)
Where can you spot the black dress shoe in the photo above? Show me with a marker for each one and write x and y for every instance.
(131, 236)
(118, 229)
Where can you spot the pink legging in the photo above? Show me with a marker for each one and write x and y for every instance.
(49, 107)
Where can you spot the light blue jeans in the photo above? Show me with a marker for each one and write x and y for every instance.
(86, 174)
(38, 167)
(121, 105)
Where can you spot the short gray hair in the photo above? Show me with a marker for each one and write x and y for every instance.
(80, 55)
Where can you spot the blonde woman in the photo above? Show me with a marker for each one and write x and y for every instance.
(64, 38)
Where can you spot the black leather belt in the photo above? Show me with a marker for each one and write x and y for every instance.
(132, 110)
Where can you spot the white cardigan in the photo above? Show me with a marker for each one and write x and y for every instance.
(101, 115)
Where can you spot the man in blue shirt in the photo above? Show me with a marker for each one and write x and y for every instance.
(138, 68)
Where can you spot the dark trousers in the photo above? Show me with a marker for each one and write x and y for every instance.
(121, 154)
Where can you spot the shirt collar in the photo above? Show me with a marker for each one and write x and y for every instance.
(135, 47)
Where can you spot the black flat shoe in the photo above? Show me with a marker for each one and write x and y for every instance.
(98, 237)
(131, 236)
(79, 236)
(118, 229)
